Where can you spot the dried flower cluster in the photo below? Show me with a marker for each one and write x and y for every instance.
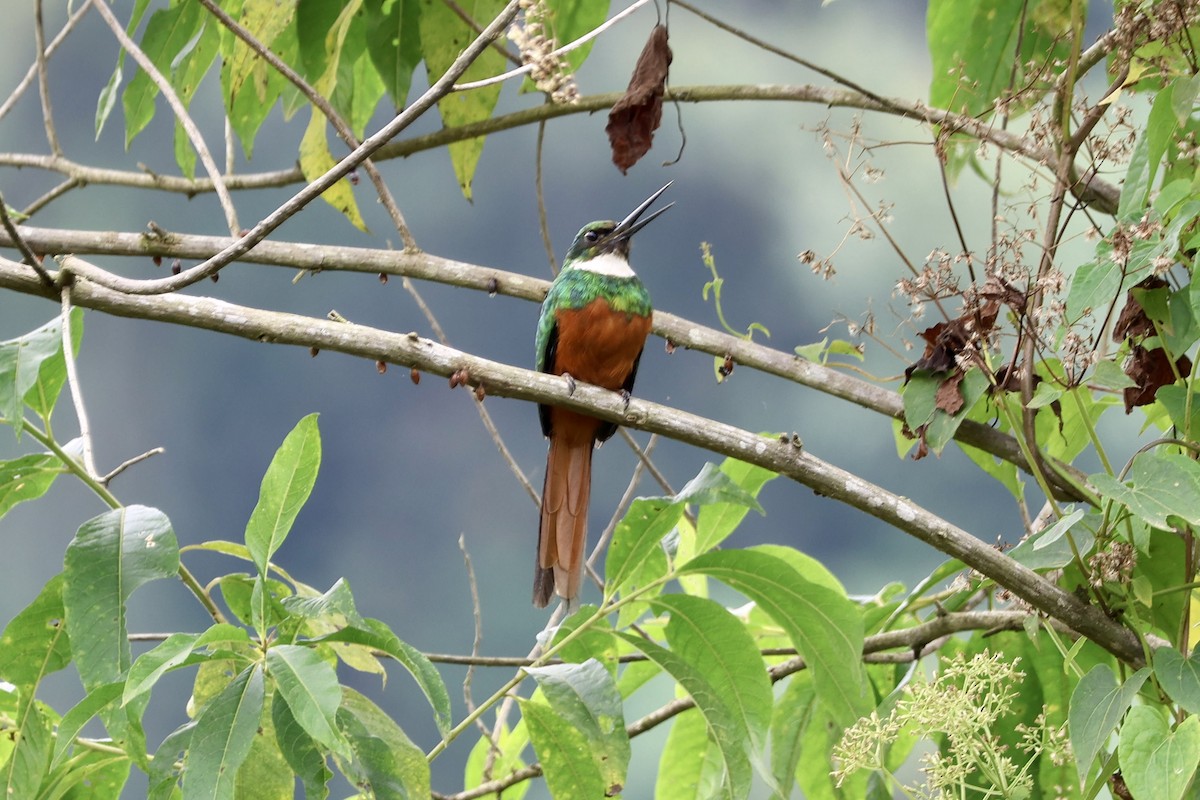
(550, 72)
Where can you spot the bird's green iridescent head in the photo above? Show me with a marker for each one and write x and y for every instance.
(613, 238)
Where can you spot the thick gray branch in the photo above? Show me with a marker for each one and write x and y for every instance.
(786, 458)
(423, 266)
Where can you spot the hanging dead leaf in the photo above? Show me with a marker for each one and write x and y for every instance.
(1150, 370)
(1132, 321)
(636, 116)
(949, 397)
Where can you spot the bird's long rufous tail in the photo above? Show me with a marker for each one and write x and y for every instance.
(562, 534)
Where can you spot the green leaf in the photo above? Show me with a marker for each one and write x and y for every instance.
(718, 645)
(111, 556)
(299, 750)
(638, 533)
(52, 374)
(167, 33)
(594, 641)
(22, 362)
(1097, 705)
(1147, 154)
(585, 698)
(690, 765)
(715, 521)
(222, 738)
(972, 48)
(163, 773)
(394, 43)
(571, 773)
(484, 763)
(108, 96)
(187, 71)
(444, 36)
(35, 641)
(380, 636)
(285, 488)
(570, 19)
(1053, 548)
(337, 605)
(153, 664)
(309, 685)
(1159, 486)
(1156, 761)
(1179, 677)
(793, 712)
(26, 769)
(266, 20)
(824, 625)
(730, 751)
(266, 774)
(27, 478)
(385, 760)
(74, 720)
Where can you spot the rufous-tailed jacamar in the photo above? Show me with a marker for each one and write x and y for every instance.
(592, 328)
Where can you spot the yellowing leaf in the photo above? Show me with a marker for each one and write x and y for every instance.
(316, 160)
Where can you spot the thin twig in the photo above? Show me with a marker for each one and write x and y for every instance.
(32, 72)
(477, 615)
(18, 241)
(85, 430)
(180, 111)
(39, 38)
(543, 220)
(50, 196)
(130, 462)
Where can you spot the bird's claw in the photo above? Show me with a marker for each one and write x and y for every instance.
(570, 383)
(626, 397)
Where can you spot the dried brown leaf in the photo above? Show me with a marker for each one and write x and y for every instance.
(636, 116)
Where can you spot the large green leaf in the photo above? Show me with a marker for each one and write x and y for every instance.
(638, 533)
(792, 714)
(26, 769)
(187, 71)
(562, 749)
(444, 36)
(584, 697)
(1179, 677)
(163, 773)
(27, 478)
(690, 766)
(715, 521)
(385, 760)
(1147, 155)
(32, 371)
(222, 738)
(35, 641)
(266, 774)
(1159, 486)
(167, 33)
(309, 685)
(83, 711)
(380, 636)
(570, 19)
(731, 749)
(394, 43)
(824, 625)
(52, 373)
(285, 488)
(107, 100)
(300, 751)
(718, 645)
(1097, 705)
(110, 557)
(981, 51)
(1157, 762)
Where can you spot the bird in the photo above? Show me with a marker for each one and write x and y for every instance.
(592, 328)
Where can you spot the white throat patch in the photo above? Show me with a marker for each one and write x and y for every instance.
(608, 264)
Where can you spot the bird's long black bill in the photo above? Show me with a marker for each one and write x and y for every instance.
(630, 225)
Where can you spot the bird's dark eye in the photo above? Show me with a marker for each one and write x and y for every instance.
(591, 236)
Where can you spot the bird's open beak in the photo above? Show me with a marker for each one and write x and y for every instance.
(630, 225)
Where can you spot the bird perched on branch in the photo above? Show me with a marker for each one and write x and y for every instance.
(592, 328)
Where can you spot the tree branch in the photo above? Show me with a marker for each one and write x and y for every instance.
(413, 351)
(423, 266)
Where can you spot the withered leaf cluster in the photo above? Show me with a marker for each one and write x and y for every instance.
(636, 116)
(1148, 369)
(946, 345)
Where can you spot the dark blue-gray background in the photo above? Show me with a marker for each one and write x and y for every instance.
(408, 469)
